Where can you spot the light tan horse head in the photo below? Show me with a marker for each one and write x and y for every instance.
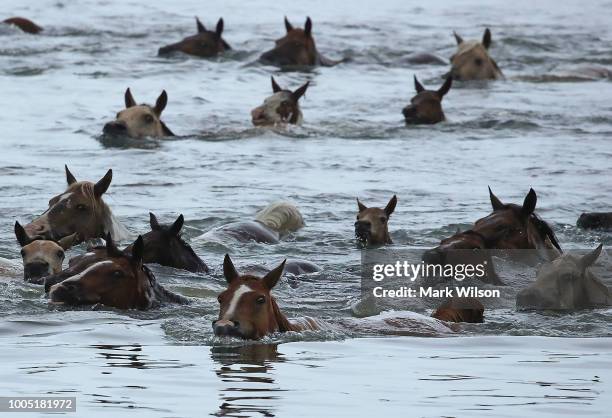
(41, 257)
(472, 60)
(371, 227)
(140, 120)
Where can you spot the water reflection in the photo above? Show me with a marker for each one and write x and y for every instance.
(248, 372)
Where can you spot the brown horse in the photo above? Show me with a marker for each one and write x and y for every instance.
(280, 108)
(121, 281)
(205, 44)
(24, 24)
(79, 209)
(426, 106)
(372, 225)
(41, 257)
(296, 48)
(163, 245)
(508, 227)
(248, 310)
(140, 121)
(595, 220)
(460, 309)
(472, 60)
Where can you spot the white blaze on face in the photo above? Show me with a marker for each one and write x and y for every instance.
(243, 289)
(79, 276)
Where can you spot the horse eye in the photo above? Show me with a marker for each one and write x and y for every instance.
(117, 274)
(23, 253)
(117, 115)
(383, 219)
(149, 119)
(219, 298)
(81, 207)
(60, 254)
(478, 61)
(357, 217)
(260, 300)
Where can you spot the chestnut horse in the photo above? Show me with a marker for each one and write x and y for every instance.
(508, 227)
(426, 106)
(163, 245)
(280, 108)
(24, 24)
(140, 120)
(41, 257)
(205, 44)
(79, 209)
(372, 225)
(460, 309)
(296, 48)
(120, 280)
(472, 60)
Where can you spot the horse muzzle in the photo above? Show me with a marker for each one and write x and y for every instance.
(66, 293)
(36, 270)
(258, 116)
(115, 128)
(226, 328)
(363, 231)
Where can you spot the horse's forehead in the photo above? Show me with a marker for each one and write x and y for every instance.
(371, 212)
(278, 97)
(292, 36)
(136, 111)
(503, 216)
(471, 47)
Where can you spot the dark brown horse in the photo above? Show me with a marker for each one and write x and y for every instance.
(508, 227)
(79, 209)
(120, 280)
(163, 245)
(280, 108)
(595, 220)
(460, 309)
(296, 48)
(426, 106)
(41, 257)
(247, 308)
(205, 44)
(372, 225)
(24, 24)
(140, 120)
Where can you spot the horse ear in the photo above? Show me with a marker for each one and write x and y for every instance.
(529, 204)
(495, 202)
(275, 87)
(129, 99)
(200, 26)
(486, 38)
(308, 27)
(288, 25)
(102, 186)
(391, 206)
(274, 276)
(300, 91)
(175, 228)
(418, 86)
(590, 258)
(111, 248)
(138, 250)
(68, 241)
(458, 38)
(22, 236)
(361, 206)
(69, 177)
(154, 222)
(219, 29)
(161, 103)
(445, 87)
(229, 271)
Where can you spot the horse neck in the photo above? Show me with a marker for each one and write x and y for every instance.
(110, 224)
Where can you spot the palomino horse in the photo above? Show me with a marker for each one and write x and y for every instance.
(163, 245)
(24, 24)
(595, 220)
(269, 226)
(121, 281)
(248, 310)
(79, 209)
(472, 60)
(280, 108)
(205, 44)
(296, 48)
(460, 309)
(426, 106)
(140, 121)
(508, 227)
(566, 283)
(371, 227)
(41, 257)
